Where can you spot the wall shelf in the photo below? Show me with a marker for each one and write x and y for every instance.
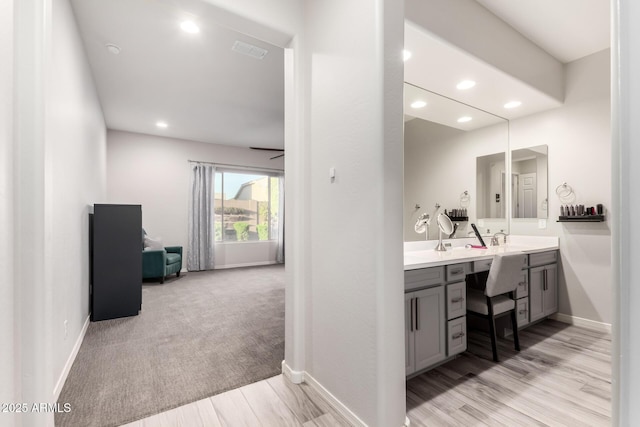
(459, 218)
(582, 218)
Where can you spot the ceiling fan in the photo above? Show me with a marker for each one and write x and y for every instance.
(270, 149)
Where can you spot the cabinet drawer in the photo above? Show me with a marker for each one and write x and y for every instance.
(456, 336)
(482, 265)
(414, 279)
(522, 290)
(456, 272)
(456, 300)
(522, 311)
(543, 258)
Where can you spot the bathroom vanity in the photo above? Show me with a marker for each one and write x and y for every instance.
(435, 293)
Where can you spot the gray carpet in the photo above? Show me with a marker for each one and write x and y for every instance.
(196, 336)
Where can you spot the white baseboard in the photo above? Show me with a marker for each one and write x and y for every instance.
(296, 377)
(334, 402)
(246, 264)
(72, 357)
(579, 321)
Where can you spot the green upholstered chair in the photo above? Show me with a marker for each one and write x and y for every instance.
(159, 263)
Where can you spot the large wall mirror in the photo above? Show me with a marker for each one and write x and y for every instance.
(449, 150)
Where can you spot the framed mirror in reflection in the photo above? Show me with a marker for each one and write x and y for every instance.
(529, 194)
(443, 139)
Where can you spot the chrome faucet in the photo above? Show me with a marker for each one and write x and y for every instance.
(495, 241)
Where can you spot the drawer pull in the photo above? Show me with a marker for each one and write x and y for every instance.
(522, 284)
(522, 311)
(411, 318)
(458, 271)
(459, 299)
(458, 335)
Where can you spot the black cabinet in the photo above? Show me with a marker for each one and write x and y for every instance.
(116, 261)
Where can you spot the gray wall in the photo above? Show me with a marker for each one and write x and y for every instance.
(154, 172)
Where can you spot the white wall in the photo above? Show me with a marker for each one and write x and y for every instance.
(353, 122)
(59, 152)
(579, 138)
(626, 198)
(76, 179)
(154, 172)
(439, 165)
(8, 298)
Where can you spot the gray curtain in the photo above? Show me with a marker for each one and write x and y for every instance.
(201, 218)
(280, 253)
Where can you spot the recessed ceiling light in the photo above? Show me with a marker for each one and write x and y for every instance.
(464, 119)
(162, 124)
(512, 104)
(406, 54)
(190, 27)
(112, 48)
(465, 84)
(418, 104)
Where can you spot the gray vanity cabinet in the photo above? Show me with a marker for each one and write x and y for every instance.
(425, 320)
(543, 291)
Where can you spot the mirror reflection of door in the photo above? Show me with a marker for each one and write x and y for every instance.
(527, 196)
(514, 195)
(529, 182)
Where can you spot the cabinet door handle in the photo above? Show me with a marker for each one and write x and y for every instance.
(417, 314)
(544, 283)
(522, 284)
(458, 271)
(411, 318)
(522, 311)
(458, 335)
(459, 299)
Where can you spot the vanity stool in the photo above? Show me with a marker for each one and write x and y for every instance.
(498, 298)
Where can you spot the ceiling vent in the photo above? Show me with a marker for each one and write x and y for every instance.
(249, 49)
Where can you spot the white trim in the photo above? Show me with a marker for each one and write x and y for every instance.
(582, 322)
(340, 407)
(246, 264)
(407, 422)
(72, 357)
(296, 377)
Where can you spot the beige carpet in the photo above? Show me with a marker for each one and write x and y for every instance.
(196, 336)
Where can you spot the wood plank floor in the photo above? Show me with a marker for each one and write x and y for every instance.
(274, 402)
(561, 377)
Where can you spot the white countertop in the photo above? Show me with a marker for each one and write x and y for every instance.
(422, 254)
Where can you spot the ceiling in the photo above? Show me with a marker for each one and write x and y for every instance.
(566, 29)
(195, 83)
(445, 111)
(206, 92)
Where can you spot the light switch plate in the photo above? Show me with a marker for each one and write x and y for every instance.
(542, 223)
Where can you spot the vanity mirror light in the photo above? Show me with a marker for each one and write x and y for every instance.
(529, 189)
(441, 154)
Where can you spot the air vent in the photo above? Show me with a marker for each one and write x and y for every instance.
(249, 49)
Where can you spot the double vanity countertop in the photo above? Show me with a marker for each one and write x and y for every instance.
(422, 254)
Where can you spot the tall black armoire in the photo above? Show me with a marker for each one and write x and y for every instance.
(116, 261)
